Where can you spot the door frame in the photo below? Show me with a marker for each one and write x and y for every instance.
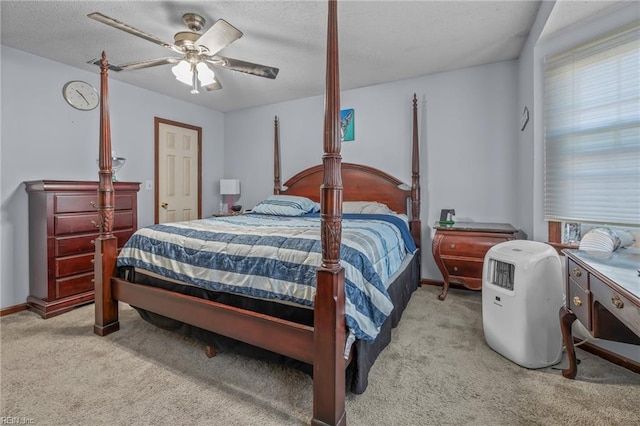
(156, 167)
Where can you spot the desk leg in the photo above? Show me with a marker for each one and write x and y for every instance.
(445, 290)
(566, 320)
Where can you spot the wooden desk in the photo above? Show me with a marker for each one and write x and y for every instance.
(459, 250)
(603, 293)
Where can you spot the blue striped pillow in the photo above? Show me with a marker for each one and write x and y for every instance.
(285, 205)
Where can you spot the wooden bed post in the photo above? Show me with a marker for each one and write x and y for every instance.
(106, 307)
(329, 322)
(416, 226)
(276, 156)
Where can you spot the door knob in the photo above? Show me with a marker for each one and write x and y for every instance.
(164, 205)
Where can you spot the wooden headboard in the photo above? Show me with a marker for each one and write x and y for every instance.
(359, 183)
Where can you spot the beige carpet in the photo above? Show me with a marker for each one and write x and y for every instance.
(438, 370)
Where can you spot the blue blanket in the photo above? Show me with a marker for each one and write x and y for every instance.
(275, 258)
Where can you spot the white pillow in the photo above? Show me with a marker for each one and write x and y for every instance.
(365, 207)
(285, 205)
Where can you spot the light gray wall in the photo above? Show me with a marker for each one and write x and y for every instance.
(468, 122)
(44, 138)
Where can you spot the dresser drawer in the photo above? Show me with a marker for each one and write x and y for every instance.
(72, 203)
(616, 303)
(468, 246)
(578, 274)
(74, 285)
(65, 246)
(578, 301)
(74, 264)
(81, 223)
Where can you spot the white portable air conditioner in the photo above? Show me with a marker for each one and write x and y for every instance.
(522, 293)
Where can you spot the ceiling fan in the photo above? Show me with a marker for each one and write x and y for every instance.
(197, 50)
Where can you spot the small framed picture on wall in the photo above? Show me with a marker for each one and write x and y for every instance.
(347, 125)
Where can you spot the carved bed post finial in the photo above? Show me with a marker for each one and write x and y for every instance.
(276, 156)
(415, 178)
(105, 183)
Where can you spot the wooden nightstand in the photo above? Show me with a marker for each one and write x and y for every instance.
(459, 250)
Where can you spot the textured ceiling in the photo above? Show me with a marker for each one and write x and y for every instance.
(380, 41)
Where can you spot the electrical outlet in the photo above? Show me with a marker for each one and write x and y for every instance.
(148, 184)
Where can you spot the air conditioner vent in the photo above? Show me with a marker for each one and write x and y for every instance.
(502, 274)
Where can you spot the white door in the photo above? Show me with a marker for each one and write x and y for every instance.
(177, 177)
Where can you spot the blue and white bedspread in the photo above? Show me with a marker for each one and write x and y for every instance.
(275, 257)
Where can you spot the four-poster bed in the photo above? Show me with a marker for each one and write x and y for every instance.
(320, 341)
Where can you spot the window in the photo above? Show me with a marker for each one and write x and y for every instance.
(592, 131)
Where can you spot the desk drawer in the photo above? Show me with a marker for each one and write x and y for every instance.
(617, 304)
(578, 301)
(578, 274)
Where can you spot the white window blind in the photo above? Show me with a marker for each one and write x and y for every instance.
(592, 131)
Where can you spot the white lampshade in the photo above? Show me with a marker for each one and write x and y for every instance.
(182, 71)
(229, 186)
(205, 75)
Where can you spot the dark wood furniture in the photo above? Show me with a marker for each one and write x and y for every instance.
(459, 250)
(603, 293)
(62, 229)
(321, 345)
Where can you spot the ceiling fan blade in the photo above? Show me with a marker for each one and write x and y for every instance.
(243, 66)
(213, 86)
(127, 28)
(149, 63)
(219, 36)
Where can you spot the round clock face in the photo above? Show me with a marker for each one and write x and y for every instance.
(80, 95)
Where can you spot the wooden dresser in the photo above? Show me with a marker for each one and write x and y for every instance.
(459, 250)
(62, 228)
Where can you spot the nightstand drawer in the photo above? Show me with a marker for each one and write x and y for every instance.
(578, 300)
(463, 268)
(74, 285)
(471, 246)
(578, 274)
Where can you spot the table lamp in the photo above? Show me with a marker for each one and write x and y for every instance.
(228, 187)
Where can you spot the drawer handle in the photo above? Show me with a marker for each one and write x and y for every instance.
(93, 204)
(615, 299)
(455, 269)
(93, 280)
(96, 224)
(576, 272)
(577, 301)
(93, 261)
(93, 242)
(452, 246)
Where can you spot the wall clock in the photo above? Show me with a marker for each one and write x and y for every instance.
(80, 95)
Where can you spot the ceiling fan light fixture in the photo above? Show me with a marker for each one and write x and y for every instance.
(182, 71)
